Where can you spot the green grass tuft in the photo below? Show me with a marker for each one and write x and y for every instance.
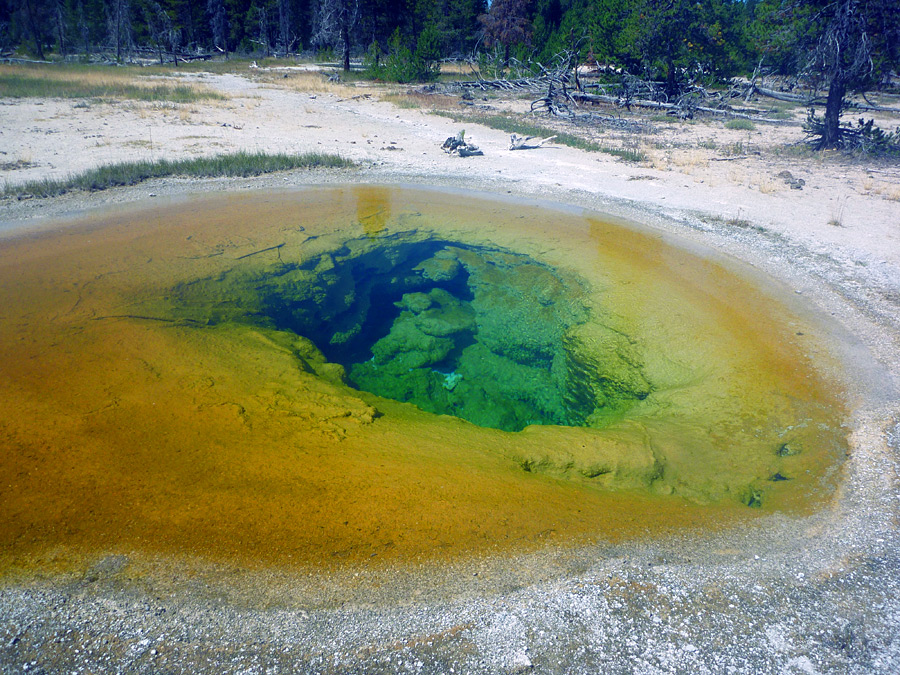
(740, 125)
(625, 154)
(240, 164)
(517, 126)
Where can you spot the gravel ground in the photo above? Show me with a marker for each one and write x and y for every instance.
(813, 594)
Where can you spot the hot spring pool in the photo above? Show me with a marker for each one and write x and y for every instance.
(377, 373)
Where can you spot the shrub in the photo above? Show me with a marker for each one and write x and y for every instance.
(864, 139)
(740, 125)
(428, 53)
(402, 64)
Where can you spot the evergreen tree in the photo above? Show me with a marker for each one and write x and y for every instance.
(457, 21)
(599, 22)
(61, 25)
(675, 40)
(237, 12)
(506, 24)
(845, 45)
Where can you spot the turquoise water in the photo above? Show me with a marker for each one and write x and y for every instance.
(480, 333)
(613, 357)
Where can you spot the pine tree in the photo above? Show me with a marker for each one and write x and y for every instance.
(845, 45)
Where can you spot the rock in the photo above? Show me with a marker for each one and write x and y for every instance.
(451, 380)
(440, 268)
(752, 498)
(520, 663)
(448, 318)
(407, 347)
(788, 450)
(794, 183)
(415, 302)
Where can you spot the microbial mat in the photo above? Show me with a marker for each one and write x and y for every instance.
(363, 374)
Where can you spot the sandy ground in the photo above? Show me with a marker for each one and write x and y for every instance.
(813, 595)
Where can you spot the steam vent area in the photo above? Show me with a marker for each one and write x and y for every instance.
(370, 374)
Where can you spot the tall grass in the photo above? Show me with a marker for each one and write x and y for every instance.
(240, 164)
(102, 82)
(306, 82)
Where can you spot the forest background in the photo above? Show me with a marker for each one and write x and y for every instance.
(715, 37)
(838, 46)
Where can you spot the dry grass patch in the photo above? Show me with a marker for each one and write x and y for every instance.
(95, 82)
(460, 69)
(307, 82)
(890, 191)
(156, 109)
(417, 99)
(401, 100)
(690, 159)
(768, 186)
(737, 176)
(659, 161)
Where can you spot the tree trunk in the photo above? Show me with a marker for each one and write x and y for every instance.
(35, 29)
(345, 39)
(833, 107)
(83, 29)
(61, 29)
(671, 83)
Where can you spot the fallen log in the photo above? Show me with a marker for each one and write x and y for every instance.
(810, 101)
(517, 142)
(871, 108)
(581, 97)
(457, 145)
(505, 85)
(521, 84)
(468, 151)
(783, 96)
(11, 59)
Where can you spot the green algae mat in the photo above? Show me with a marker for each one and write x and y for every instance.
(365, 374)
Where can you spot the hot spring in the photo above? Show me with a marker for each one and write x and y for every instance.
(360, 373)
